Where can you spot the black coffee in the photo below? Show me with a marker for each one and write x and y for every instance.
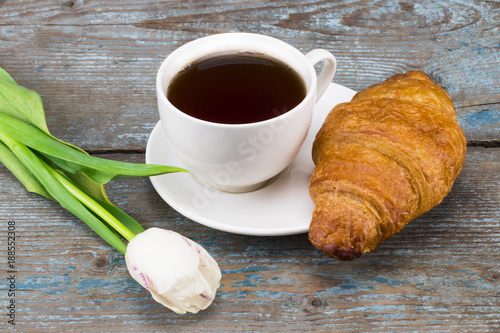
(236, 89)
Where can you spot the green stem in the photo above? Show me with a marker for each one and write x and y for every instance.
(92, 205)
(41, 171)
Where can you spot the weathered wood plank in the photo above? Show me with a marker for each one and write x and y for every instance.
(95, 64)
(441, 273)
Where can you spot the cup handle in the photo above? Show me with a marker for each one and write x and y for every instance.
(327, 72)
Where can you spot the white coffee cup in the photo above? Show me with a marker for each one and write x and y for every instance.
(241, 157)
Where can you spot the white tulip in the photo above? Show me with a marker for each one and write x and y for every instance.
(179, 273)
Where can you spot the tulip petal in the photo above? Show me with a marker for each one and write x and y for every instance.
(179, 273)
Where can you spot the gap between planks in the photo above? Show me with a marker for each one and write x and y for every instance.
(494, 143)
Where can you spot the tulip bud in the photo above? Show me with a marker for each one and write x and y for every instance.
(179, 273)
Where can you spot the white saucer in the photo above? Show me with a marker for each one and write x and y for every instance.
(281, 208)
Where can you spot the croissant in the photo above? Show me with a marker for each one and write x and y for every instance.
(382, 159)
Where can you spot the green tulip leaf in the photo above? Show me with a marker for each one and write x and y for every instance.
(98, 169)
(61, 171)
(41, 171)
(21, 103)
(10, 160)
(129, 222)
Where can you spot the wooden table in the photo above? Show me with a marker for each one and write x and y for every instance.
(94, 65)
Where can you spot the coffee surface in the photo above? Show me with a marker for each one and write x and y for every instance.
(236, 89)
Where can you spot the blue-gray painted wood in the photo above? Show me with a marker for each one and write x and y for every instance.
(94, 64)
(440, 273)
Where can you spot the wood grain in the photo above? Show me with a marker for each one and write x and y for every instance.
(440, 273)
(95, 64)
